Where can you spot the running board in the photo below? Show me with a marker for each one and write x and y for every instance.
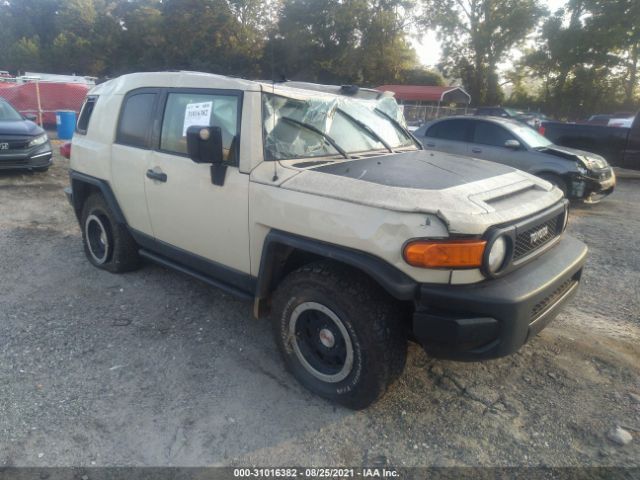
(236, 292)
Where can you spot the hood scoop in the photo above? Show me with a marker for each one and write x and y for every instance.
(504, 197)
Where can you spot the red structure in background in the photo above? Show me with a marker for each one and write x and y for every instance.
(52, 97)
(427, 94)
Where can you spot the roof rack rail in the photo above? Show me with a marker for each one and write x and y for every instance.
(345, 90)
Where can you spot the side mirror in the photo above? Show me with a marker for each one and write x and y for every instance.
(204, 144)
(31, 116)
(512, 144)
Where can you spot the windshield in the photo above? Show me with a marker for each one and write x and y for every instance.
(532, 138)
(8, 113)
(513, 113)
(321, 126)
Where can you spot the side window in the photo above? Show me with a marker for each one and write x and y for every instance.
(437, 130)
(454, 130)
(136, 120)
(491, 134)
(186, 109)
(85, 114)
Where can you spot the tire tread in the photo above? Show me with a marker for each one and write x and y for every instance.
(386, 336)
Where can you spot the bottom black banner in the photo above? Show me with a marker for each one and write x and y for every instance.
(223, 473)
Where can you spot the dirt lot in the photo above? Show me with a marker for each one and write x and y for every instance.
(154, 368)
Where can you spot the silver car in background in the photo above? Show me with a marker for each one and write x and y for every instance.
(580, 175)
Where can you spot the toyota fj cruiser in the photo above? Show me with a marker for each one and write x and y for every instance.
(317, 204)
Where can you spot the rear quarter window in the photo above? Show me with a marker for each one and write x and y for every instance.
(85, 114)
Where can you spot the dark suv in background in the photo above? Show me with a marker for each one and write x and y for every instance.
(23, 144)
(580, 175)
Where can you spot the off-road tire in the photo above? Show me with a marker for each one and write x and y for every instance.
(121, 251)
(557, 181)
(370, 317)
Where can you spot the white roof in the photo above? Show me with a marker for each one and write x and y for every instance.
(184, 79)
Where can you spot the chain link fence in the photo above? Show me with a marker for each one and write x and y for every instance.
(43, 98)
(419, 114)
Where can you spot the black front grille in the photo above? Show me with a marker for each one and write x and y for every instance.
(535, 237)
(12, 145)
(550, 300)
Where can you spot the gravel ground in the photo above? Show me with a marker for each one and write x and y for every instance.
(155, 368)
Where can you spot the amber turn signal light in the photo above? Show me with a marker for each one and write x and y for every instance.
(445, 254)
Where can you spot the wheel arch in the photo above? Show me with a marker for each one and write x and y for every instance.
(83, 186)
(284, 252)
(552, 170)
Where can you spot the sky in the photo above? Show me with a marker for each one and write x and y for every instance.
(428, 47)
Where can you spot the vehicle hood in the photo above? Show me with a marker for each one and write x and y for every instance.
(590, 160)
(469, 194)
(20, 127)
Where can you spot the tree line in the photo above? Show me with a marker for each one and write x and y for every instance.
(580, 59)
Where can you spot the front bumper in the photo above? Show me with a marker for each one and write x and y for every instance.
(595, 186)
(496, 317)
(36, 157)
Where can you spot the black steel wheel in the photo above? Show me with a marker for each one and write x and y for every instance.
(340, 334)
(321, 342)
(98, 238)
(107, 243)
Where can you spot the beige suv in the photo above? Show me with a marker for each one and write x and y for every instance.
(317, 204)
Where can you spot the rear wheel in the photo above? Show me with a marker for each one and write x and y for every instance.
(557, 181)
(107, 243)
(340, 335)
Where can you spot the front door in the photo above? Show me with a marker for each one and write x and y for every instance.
(488, 143)
(191, 218)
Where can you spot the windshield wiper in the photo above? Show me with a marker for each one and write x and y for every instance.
(399, 126)
(328, 138)
(366, 128)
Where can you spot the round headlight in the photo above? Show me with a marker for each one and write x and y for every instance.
(497, 254)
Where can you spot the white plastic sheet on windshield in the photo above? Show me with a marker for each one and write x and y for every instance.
(284, 140)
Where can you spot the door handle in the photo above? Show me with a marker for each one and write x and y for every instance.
(476, 150)
(157, 175)
(431, 144)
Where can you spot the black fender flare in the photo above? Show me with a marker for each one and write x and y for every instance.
(79, 193)
(278, 245)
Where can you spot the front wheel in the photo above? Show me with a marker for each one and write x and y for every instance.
(340, 335)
